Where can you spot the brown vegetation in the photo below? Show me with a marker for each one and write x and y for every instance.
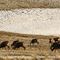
(16, 4)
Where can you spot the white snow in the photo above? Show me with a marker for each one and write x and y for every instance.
(31, 21)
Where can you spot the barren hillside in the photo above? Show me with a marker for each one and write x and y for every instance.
(2, 33)
(41, 51)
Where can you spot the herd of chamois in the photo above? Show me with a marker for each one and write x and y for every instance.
(17, 44)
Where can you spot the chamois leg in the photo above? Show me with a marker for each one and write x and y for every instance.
(52, 48)
(14, 48)
(37, 42)
(24, 47)
(8, 47)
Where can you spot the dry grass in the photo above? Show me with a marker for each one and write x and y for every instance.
(31, 52)
(14, 4)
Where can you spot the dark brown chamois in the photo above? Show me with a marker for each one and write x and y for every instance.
(18, 45)
(33, 41)
(4, 44)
